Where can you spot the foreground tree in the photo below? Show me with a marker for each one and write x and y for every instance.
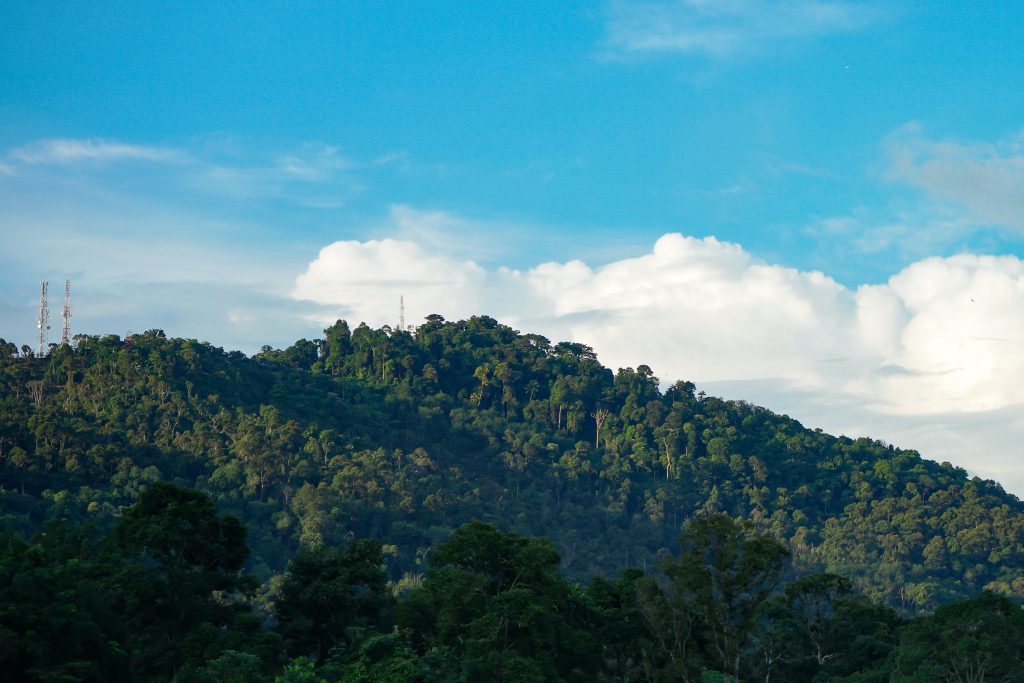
(494, 608)
(819, 630)
(716, 588)
(56, 621)
(970, 641)
(626, 642)
(332, 595)
(181, 586)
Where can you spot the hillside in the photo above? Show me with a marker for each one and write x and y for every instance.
(375, 433)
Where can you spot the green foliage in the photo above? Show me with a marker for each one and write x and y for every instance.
(56, 621)
(330, 594)
(818, 629)
(620, 626)
(403, 437)
(386, 658)
(973, 640)
(181, 580)
(299, 670)
(407, 438)
(179, 530)
(493, 607)
(231, 667)
(715, 591)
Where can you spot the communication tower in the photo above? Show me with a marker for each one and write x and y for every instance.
(65, 336)
(44, 320)
(401, 316)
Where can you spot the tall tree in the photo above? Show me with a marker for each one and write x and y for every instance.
(329, 594)
(178, 589)
(495, 609)
(970, 641)
(724, 573)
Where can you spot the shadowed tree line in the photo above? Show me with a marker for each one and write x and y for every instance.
(163, 596)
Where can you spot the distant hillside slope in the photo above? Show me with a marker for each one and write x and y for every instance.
(402, 437)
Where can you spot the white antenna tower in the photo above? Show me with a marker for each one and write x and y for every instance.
(44, 320)
(65, 336)
(401, 312)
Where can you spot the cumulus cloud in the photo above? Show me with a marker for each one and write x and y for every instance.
(984, 179)
(940, 336)
(725, 27)
(961, 343)
(364, 280)
(941, 342)
(701, 305)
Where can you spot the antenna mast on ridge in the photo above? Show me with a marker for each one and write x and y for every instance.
(65, 337)
(44, 320)
(401, 312)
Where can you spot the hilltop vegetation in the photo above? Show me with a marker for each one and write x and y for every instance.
(468, 503)
(400, 437)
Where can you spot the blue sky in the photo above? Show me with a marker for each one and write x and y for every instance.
(839, 164)
(553, 115)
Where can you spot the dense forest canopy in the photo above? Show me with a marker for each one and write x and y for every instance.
(468, 503)
(402, 437)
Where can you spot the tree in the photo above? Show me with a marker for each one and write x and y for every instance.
(812, 601)
(724, 573)
(599, 415)
(179, 587)
(8, 350)
(969, 641)
(495, 607)
(339, 345)
(819, 629)
(56, 616)
(626, 642)
(386, 658)
(330, 593)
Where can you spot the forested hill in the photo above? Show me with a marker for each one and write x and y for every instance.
(403, 437)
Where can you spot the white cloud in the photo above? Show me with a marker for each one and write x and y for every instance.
(943, 337)
(962, 346)
(984, 179)
(707, 305)
(438, 230)
(68, 151)
(364, 280)
(910, 234)
(315, 163)
(940, 336)
(312, 175)
(720, 28)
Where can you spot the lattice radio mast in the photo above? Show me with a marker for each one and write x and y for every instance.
(44, 320)
(65, 335)
(401, 312)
